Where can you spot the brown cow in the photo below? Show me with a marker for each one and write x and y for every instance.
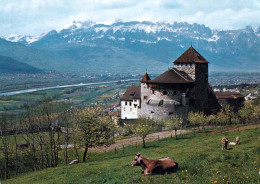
(155, 166)
(224, 142)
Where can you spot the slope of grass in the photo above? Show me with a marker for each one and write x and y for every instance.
(200, 159)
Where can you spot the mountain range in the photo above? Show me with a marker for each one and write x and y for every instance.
(133, 47)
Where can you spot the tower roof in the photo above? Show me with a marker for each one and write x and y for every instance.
(191, 56)
(172, 76)
(145, 78)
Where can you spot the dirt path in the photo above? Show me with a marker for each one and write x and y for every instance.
(152, 137)
(137, 140)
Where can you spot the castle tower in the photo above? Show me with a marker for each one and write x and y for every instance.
(196, 67)
(145, 93)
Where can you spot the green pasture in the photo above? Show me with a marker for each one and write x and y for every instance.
(200, 160)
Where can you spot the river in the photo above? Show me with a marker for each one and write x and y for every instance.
(63, 86)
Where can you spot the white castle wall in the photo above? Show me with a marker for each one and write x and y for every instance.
(130, 109)
(159, 104)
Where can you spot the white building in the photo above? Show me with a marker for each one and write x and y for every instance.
(131, 103)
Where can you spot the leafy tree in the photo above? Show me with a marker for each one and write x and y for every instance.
(174, 123)
(143, 127)
(226, 115)
(256, 113)
(197, 119)
(246, 112)
(93, 128)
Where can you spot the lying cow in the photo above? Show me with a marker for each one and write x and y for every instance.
(224, 142)
(235, 143)
(154, 166)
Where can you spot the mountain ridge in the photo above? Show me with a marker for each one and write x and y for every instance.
(161, 42)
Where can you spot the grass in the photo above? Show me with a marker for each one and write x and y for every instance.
(200, 159)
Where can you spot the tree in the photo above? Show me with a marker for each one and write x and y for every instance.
(246, 112)
(256, 113)
(174, 123)
(197, 119)
(5, 143)
(226, 115)
(93, 128)
(143, 127)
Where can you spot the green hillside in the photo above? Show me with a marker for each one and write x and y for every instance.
(10, 65)
(200, 159)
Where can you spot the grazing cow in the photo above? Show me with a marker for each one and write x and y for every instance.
(224, 142)
(237, 140)
(154, 166)
(235, 143)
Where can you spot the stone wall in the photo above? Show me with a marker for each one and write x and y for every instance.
(188, 68)
(160, 103)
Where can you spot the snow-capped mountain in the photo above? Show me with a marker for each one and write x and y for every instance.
(163, 42)
(27, 39)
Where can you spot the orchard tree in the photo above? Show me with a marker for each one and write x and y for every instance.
(174, 123)
(143, 127)
(197, 119)
(246, 112)
(226, 116)
(93, 128)
(256, 113)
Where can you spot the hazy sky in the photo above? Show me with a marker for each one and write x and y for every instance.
(37, 16)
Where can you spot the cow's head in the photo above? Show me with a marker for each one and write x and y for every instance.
(137, 160)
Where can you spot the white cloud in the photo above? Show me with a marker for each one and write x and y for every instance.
(51, 14)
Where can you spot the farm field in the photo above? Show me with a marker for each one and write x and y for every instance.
(200, 160)
(83, 95)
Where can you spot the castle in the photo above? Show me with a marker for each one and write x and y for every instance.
(180, 89)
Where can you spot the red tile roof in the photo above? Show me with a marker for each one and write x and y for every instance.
(233, 95)
(173, 76)
(145, 78)
(133, 92)
(191, 56)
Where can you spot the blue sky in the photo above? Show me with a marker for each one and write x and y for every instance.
(37, 16)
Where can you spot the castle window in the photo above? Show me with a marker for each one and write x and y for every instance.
(165, 92)
(160, 103)
(145, 97)
(170, 113)
(130, 103)
(125, 103)
(152, 112)
(174, 92)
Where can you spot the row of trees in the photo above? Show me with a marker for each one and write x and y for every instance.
(250, 112)
(35, 139)
(145, 126)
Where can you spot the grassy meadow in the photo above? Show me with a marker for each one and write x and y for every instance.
(200, 160)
